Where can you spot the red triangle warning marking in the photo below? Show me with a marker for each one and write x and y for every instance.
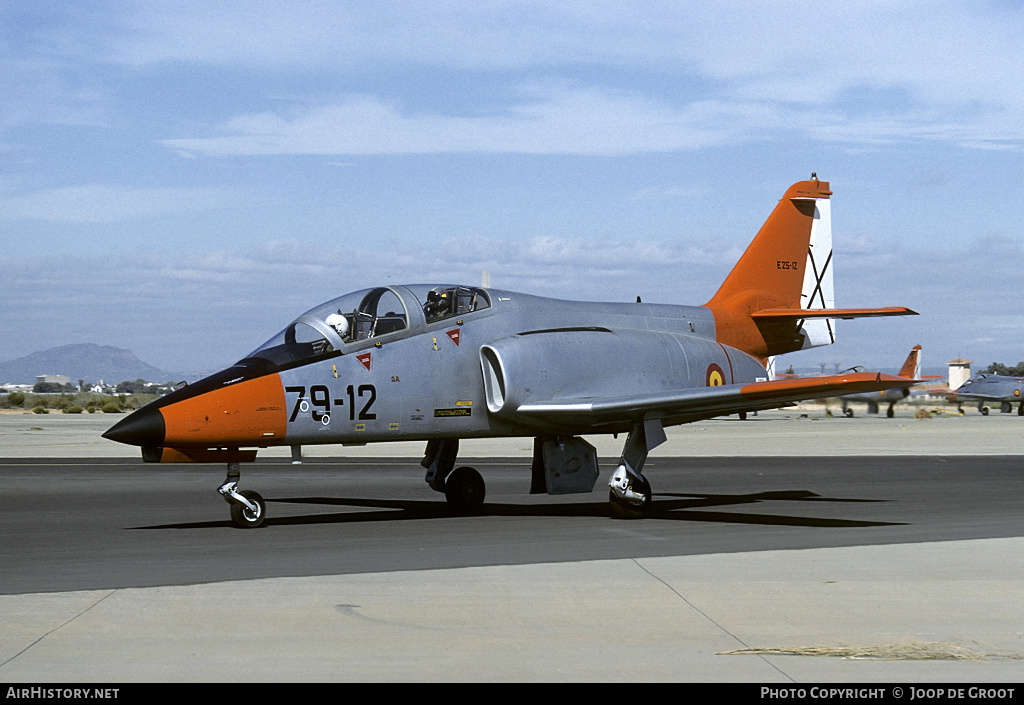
(454, 335)
(365, 359)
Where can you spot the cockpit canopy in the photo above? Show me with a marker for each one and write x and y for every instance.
(350, 321)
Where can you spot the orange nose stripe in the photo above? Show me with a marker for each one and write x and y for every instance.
(245, 413)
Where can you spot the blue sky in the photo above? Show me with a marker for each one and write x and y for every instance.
(183, 178)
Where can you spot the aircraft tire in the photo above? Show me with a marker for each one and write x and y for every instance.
(243, 517)
(848, 413)
(984, 411)
(625, 510)
(464, 489)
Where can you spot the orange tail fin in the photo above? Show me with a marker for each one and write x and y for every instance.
(912, 367)
(778, 298)
(770, 275)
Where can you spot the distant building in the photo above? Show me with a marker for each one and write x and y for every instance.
(959, 372)
(53, 379)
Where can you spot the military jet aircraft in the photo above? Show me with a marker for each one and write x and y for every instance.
(440, 363)
(985, 387)
(911, 370)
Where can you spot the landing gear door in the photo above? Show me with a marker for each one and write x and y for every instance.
(569, 466)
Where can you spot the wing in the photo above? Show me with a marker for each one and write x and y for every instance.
(688, 405)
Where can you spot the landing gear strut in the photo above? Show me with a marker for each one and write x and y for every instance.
(463, 487)
(248, 510)
(629, 492)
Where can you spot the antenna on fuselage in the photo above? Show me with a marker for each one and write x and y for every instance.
(485, 279)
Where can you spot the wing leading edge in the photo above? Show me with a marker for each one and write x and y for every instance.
(705, 402)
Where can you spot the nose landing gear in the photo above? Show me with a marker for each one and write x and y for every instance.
(248, 510)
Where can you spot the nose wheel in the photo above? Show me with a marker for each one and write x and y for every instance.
(249, 515)
(248, 510)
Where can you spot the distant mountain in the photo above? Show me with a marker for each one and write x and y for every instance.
(85, 361)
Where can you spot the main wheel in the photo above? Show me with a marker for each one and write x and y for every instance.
(464, 489)
(627, 510)
(245, 517)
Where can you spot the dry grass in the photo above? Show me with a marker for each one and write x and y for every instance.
(928, 651)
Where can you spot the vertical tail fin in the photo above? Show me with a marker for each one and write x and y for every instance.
(788, 265)
(912, 367)
(779, 296)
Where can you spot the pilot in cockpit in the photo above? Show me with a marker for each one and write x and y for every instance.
(339, 323)
(438, 305)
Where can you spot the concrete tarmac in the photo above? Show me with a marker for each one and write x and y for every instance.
(808, 429)
(942, 611)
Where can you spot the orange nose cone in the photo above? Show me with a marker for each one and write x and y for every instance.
(251, 412)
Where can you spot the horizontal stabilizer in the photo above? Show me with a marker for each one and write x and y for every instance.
(778, 314)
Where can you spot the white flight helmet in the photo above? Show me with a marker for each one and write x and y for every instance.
(338, 323)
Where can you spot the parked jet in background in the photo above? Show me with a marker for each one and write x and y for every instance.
(985, 387)
(444, 363)
(911, 370)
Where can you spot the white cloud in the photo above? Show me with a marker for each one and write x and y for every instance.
(926, 44)
(565, 122)
(206, 309)
(699, 75)
(588, 121)
(104, 203)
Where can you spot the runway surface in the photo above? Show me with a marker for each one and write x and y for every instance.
(90, 524)
(118, 571)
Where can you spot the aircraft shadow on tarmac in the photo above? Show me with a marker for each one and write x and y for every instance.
(665, 506)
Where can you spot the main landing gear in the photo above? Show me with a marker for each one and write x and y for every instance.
(629, 492)
(463, 487)
(248, 510)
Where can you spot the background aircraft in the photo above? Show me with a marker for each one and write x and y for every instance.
(443, 363)
(985, 387)
(911, 370)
